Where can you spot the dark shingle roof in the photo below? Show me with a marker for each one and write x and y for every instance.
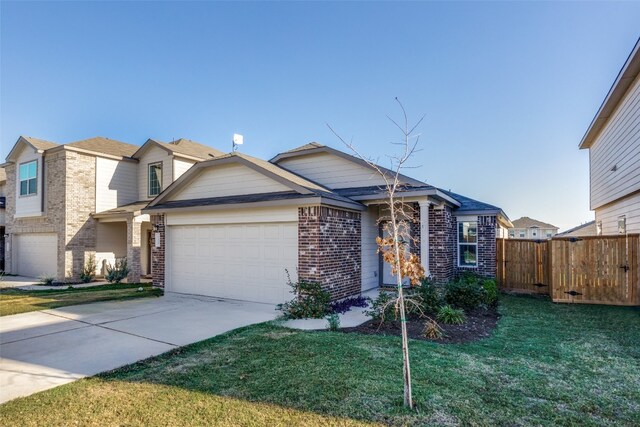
(190, 148)
(309, 146)
(469, 204)
(376, 189)
(40, 144)
(108, 146)
(586, 229)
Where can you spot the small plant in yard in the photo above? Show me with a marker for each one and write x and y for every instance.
(432, 330)
(490, 291)
(116, 273)
(465, 294)
(451, 316)
(429, 296)
(47, 280)
(346, 304)
(310, 300)
(89, 270)
(382, 308)
(334, 321)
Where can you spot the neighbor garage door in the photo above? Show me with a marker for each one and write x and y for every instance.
(239, 261)
(37, 254)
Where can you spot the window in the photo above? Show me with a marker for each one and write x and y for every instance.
(549, 233)
(155, 179)
(534, 232)
(512, 234)
(28, 177)
(599, 228)
(622, 225)
(522, 234)
(467, 244)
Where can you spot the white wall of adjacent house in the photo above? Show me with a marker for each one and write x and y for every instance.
(116, 183)
(532, 233)
(111, 243)
(30, 205)
(153, 155)
(228, 180)
(614, 156)
(180, 166)
(610, 215)
(332, 171)
(370, 257)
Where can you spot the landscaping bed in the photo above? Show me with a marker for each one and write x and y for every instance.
(479, 324)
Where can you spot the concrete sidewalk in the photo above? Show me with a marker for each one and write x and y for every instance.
(44, 349)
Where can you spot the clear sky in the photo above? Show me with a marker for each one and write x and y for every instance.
(508, 89)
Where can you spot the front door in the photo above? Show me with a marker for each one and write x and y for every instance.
(388, 279)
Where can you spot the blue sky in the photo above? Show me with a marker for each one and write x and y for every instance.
(508, 89)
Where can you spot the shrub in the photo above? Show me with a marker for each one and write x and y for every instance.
(382, 308)
(490, 291)
(117, 272)
(432, 330)
(47, 280)
(450, 315)
(465, 294)
(334, 321)
(429, 296)
(345, 305)
(89, 270)
(310, 301)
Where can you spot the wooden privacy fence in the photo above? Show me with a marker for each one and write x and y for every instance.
(592, 270)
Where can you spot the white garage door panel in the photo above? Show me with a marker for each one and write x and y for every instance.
(37, 254)
(239, 261)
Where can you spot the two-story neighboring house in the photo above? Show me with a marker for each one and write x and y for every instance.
(67, 202)
(3, 204)
(613, 140)
(529, 228)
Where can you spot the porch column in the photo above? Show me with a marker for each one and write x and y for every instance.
(424, 235)
(134, 231)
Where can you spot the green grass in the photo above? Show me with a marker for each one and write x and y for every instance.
(14, 301)
(545, 364)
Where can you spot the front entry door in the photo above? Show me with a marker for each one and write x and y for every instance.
(388, 279)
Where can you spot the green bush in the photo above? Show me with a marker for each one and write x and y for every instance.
(334, 321)
(382, 308)
(116, 273)
(46, 280)
(310, 301)
(429, 296)
(490, 291)
(464, 293)
(450, 315)
(89, 270)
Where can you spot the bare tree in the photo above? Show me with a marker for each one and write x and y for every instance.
(395, 246)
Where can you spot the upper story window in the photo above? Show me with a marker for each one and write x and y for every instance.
(468, 244)
(155, 179)
(599, 228)
(522, 234)
(549, 233)
(28, 177)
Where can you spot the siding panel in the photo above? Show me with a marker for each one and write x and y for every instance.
(180, 166)
(28, 205)
(116, 183)
(332, 171)
(370, 260)
(629, 207)
(228, 180)
(153, 155)
(618, 144)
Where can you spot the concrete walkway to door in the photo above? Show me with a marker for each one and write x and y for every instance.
(44, 349)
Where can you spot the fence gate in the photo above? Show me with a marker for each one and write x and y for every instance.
(596, 270)
(592, 270)
(523, 265)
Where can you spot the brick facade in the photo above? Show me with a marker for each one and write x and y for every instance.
(158, 250)
(486, 248)
(442, 243)
(329, 243)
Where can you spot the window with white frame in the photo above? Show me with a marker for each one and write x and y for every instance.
(28, 177)
(468, 243)
(522, 234)
(155, 179)
(549, 233)
(622, 224)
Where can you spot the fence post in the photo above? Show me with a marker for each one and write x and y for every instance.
(549, 267)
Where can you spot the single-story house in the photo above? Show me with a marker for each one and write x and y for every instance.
(232, 227)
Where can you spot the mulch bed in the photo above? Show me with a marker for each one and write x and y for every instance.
(479, 324)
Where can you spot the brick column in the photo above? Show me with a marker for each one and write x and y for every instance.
(442, 242)
(158, 250)
(134, 231)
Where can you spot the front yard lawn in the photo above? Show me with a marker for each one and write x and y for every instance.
(14, 301)
(544, 364)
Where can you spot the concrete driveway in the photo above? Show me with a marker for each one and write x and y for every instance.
(44, 349)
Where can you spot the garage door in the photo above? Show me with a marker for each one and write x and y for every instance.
(37, 254)
(239, 261)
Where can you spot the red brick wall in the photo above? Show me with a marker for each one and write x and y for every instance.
(442, 243)
(158, 253)
(329, 241)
